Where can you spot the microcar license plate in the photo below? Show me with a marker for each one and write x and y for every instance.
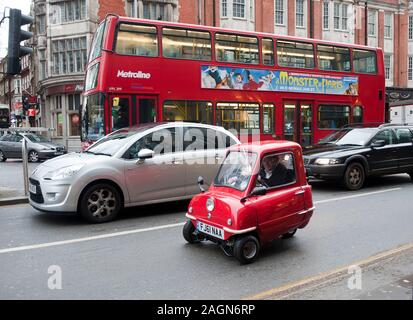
(212, 231)
(32, 188)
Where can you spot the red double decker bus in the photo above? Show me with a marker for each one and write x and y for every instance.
(279, 87)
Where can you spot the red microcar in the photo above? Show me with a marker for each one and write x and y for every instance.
(259, 194)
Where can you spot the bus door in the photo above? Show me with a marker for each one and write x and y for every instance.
(298, 122)
(145, 111)
(120, 111)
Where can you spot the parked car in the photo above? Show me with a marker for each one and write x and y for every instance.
(152, 163)
(38, 147)
(353, 153)
(259, 194)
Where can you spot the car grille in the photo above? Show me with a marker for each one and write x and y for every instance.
(38, 197)
(59, 149)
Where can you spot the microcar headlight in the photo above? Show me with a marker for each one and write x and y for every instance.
(326, 161)
(210, 204)
(65, 172)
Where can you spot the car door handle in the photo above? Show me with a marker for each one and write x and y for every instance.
(299, 192)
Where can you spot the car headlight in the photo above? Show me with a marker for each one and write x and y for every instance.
(65, 172)
(210, 204)
(326, 161)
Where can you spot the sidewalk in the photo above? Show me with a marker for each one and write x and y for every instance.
(10, 196)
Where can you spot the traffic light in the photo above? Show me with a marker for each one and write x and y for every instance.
(16, 35)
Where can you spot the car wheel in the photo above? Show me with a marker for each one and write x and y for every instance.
(354, 176)
(246, 249)
(33, 156)
(289, 234)
(2, 157)
(100, 203)
(188, 232)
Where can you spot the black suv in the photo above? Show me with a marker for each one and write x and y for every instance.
(352, 153)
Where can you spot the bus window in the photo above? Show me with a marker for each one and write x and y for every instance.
(358, 114)
(93, 117)
(96, 47)
(137, 40)
(239, 49)
(333, 116)
(243, 117)
(333, 58)
(267, 52)
(295, 54)
(92, 77)
(194, 111)
(364, 61)
(267, 118)
(186, 44)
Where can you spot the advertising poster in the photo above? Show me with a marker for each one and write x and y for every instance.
(214, 77)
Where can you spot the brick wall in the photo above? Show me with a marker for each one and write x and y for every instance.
(111, 6)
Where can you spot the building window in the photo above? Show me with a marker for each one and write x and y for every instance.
(387, 25)
(336, 16)
(59, 124)
(410, 68)
(224, 8)
(74, 124)
(299, 13)
(69, 55)
(326, 14)
(410, 27)
(73, 102)
(68, 11)
(42, 64)
(387, 66)
(252, 12)
(344, 16)
(17, 86)
(371, 21)
(41, 24)
(279, 12)
(238, 9)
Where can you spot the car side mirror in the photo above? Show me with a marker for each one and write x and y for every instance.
(258, 191)
(201, 183)
(145, 154)
(378, 144)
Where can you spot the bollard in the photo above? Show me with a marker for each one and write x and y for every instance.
(25, 167)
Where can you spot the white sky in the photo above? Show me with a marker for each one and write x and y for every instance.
(24, 6)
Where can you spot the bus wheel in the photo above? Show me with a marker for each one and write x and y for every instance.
(354, 176)
(246, 249)
(100, 203)
(2, 157)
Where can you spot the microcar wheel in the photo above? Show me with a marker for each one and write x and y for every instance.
(246, 249)
(33, 156)
(188, 232)
(2, 157)
(354, 176)
(289, 234)
(100, 203)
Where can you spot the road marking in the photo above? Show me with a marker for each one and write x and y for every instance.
(127, 232)
(357, 195)
(102, 236)
(311, 283)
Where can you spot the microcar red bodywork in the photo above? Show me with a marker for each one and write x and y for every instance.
(244, 220)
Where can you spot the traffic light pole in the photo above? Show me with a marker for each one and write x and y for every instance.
(25, 167)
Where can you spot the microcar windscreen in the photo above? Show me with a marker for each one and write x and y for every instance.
(236, 170)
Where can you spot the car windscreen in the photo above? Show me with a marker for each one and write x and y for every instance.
(36, 138)
(357, 137)
(236, 170)
(111, 144)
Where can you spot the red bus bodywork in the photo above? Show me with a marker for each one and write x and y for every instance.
(159, 79)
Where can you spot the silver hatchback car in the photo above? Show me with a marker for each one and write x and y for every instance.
(152, 163)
